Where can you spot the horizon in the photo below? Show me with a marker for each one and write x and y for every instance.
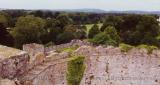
(106, 5)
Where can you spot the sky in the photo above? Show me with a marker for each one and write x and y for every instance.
(108, 5)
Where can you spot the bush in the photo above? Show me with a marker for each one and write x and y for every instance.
(148, 48)
(75, 70)
(103, 38)
(125, 47)
(100, 38)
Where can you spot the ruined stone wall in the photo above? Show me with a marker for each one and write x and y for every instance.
(72, 43)
(110, 66)
(36, 53)
(14, 66)
(53, 75)
(33, 48)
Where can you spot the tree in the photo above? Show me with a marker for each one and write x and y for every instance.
(65, 37)
(114, 21)
(113, 34)
(4, 19)
(93, 31)
(28, 29)
(108, 37)
(142, 29)
(63, 20)
(5, 37)
(104, 39)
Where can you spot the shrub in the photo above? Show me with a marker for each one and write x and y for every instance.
(100, 38)
(103, 38)
(125, 47)
(148, 48)
(75, 70)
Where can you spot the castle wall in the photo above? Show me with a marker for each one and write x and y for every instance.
(14, 66)
(110, 66)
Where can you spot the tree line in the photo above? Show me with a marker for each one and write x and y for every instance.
(20, 27)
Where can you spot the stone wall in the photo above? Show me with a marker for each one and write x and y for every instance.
(36, 53)
(14, 66)
(53, 75)
(110, 66)
(72, 43)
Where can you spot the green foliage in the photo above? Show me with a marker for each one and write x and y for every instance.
(3, 20)
(108, 37)
(89, 26)
(63, 20)
(93, 31)
(65, 37)
(54, 32)
(68, 49)
(28, 29)
(148, 48)
(100, 38)
(125, 47)
(103, 38)
(112, 32)
(111, 21)
(75, 70)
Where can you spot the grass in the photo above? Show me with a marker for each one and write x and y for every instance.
(68, 49)
(149, 48)
(125, 47)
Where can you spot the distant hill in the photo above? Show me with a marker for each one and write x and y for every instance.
(136, 12)
(86, 10)
(83, 10)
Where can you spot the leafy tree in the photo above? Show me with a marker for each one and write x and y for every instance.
(112, 32)
(114, 21)
(53, 33)
(5, 37)
(108, 37)
(64, 37)
(144, 31)
(103, 38)
(4, 19)
(80, 34)
(93, 31)
(63, 20)
(28, 29)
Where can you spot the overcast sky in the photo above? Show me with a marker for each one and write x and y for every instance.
(108, 5)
